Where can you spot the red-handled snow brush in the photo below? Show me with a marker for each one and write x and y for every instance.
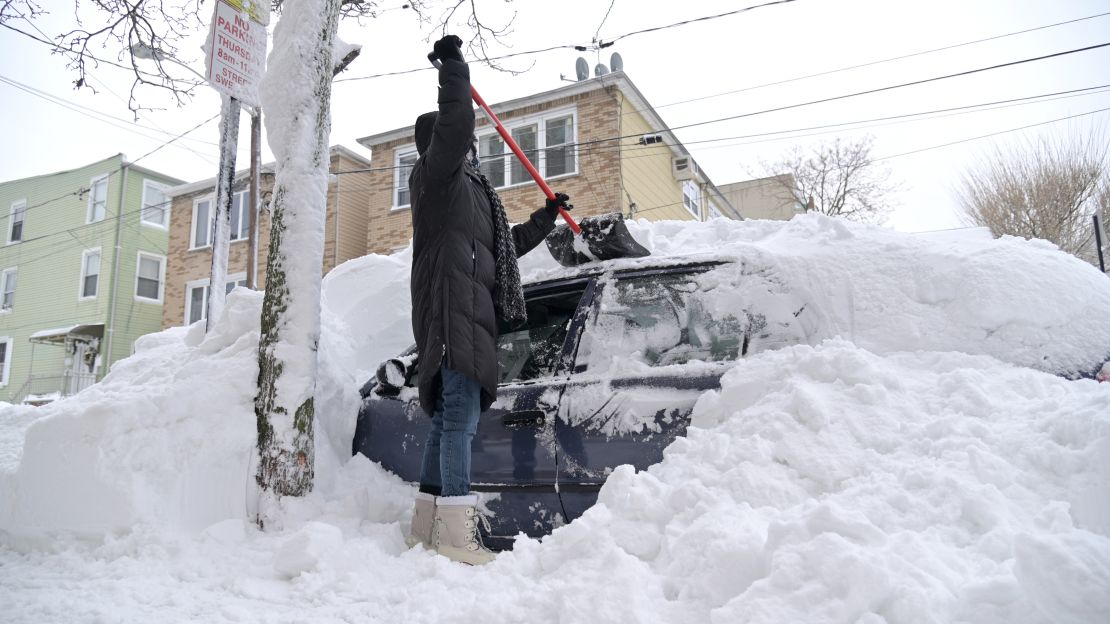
(602, 237)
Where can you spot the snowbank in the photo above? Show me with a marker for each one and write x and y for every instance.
(911, 464)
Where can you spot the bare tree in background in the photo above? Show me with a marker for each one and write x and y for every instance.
(839, 177)
(1046, 187)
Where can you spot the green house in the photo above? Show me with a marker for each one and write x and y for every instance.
(82, 274)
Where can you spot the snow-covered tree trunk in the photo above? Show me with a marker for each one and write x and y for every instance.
(296, 94)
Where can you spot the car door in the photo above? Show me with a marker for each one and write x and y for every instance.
(655, 341)
(513, 458)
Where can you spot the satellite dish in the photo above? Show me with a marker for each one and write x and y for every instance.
(616, 62)
(582, 68)
(600, 69)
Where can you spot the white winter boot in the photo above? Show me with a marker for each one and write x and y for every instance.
(423, 521)
(456, 530)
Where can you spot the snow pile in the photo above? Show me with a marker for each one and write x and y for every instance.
(915, 469)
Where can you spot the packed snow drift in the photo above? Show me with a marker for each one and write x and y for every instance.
(934, 450)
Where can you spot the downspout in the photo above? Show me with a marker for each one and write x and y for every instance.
(115, 271)
(335, 244)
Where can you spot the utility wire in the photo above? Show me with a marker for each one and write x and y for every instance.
(984, 136)
(879, 62)
(940, 146)
(91, 113)
(595, 145)
(580, 48)
(870, 91)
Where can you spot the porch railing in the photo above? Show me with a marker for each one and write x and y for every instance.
(45, 388)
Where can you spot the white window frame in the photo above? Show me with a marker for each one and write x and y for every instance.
(20, 207)
(540, 121)
(193, 223)
(92, 196)
(399, 181)
(204, 283)
(165, 206)
(4, 285)
(161, 277)
(243, 214)
(84, 266)
(695, 198)
(6, 373)
(244, 207)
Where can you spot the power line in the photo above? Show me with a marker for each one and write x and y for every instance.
(580, 48)
(984, 136)
(889, 88)
(879, 62)
(597, 145)
(77, 108)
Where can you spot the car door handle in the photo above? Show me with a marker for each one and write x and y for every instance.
(525, 418)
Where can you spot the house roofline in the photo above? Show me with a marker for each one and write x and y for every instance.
(618, 79)
(242, 174)
(118, 157)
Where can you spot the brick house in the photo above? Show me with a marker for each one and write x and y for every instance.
(189, 254)
(597, 140)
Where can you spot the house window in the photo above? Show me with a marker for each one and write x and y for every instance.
(15, 229)
(196, 296)
(526, 138)
(493, 166)
(202, 223)
(403, 168)
(559, 154)
(149, 277)
(90, 273)
(7, 289)
(98, 199)
(714, 212)
(548, 142)
(156, 208)
(691, 198)
(240, 218)
(5, 359)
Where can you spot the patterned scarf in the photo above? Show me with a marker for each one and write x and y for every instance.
(508, 296)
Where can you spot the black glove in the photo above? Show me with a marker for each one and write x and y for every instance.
(449, 47)
(552, 205)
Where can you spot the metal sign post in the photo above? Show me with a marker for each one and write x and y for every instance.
(235, 61)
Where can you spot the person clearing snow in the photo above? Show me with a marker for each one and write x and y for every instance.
(464, 279)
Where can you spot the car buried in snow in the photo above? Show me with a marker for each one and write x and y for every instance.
(606, 372)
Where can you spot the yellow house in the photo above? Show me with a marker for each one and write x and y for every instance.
(597, 140)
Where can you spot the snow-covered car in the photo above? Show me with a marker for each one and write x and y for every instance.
(616, 354)
(605, 373)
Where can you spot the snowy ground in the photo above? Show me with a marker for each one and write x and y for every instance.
(913, 463)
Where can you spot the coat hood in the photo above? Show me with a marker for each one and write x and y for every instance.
(424, 126)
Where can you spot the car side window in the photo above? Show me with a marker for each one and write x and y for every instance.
(533, 351)
(659, 320)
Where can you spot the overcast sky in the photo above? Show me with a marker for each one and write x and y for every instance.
(712, 62)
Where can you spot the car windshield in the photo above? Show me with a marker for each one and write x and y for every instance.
(705, 314)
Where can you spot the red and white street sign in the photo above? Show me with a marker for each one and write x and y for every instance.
(236, 48)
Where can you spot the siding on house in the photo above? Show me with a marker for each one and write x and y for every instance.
(49, 260)
(647, 172)
(344, 234)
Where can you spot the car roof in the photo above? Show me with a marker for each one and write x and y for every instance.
(623, 266)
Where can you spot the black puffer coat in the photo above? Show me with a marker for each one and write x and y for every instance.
(452, 279)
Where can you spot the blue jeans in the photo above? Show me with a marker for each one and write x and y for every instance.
(446, 467)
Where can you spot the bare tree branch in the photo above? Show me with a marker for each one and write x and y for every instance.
(1044, 188)
(840, 177)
